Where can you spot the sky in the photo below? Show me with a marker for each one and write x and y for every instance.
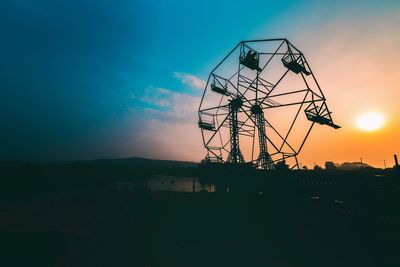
(111, 79)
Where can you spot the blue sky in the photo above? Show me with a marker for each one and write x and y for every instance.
(94, 79)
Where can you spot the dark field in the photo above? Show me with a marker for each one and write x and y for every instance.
(317, 219)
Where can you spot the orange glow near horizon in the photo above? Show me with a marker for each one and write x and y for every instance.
(359, 76)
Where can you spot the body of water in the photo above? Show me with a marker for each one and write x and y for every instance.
(182, 184)
(169, 183)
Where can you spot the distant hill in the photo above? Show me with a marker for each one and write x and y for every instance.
(144, 162)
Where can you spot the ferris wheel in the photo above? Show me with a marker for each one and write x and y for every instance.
(250, 111)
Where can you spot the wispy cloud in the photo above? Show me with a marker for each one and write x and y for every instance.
(168, 105)
(190, 80)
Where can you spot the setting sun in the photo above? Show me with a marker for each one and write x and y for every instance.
(370, 121)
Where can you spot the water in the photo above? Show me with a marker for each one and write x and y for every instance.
(181, 184)
(167, 183)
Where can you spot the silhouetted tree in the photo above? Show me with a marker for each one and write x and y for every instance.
(329, 165)
(317, 168)
(281, 165)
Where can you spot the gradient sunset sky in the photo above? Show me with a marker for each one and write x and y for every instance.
(110, 79)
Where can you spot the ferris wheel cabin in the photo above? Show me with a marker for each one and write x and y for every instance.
(250, 60)
(219, 90)
(206, 121)
(295, 63)
(206, 125)
(323, 120)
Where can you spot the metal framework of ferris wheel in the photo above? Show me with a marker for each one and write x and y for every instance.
(252, 103)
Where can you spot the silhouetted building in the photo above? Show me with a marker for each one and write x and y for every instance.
(348, 166)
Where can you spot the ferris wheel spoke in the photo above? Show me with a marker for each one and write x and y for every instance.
(294, 120)
(308, 133)
(283, 139)
(249, 86)
(272, 103)
(233, 75)
(217, 130)
(290, 93)
(265, 81)
(252, 147)
(280, 79)
(212, 108)
(219, 64)
(305, 81)
(280, 105)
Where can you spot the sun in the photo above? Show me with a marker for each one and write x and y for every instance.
(370, 121)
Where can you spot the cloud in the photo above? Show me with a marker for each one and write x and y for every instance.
(166, 105)
(190, 80)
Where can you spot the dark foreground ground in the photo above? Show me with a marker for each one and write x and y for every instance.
(72, 214)
(111, 228)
